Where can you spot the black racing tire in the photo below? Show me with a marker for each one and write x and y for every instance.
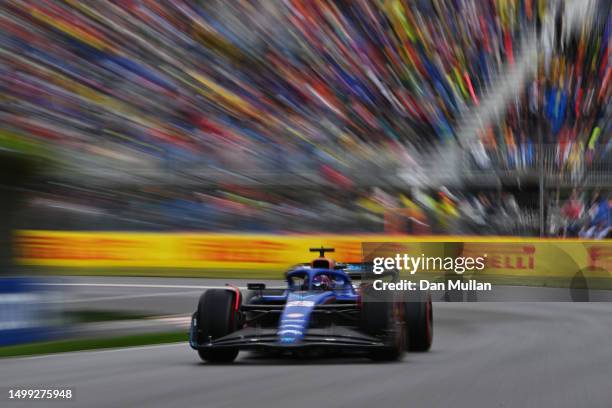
(419, 323)
(379, 317)
(395, 350)
(217, 317)
(218, 356)
(376, 317)
(376, 311)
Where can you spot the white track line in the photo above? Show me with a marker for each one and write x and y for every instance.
(136, 285)
(120, 297)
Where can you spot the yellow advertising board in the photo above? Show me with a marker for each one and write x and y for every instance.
(505, 256)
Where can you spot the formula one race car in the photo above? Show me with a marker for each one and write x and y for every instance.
(321, 310)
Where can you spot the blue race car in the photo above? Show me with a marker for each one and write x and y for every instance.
(322, 309)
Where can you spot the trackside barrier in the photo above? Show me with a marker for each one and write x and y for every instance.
(258, 252)
(25, 314)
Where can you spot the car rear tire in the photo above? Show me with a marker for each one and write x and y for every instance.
(395, 350)
(419, 324)
(380, 316)
(217, 317)
(376, 317)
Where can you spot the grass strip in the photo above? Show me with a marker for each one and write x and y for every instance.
(67, 345)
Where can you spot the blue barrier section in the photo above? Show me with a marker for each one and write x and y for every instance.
(24, 314)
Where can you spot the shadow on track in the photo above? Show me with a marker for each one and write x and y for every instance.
(308, 359)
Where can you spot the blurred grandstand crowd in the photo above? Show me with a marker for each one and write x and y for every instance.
(262, 82)
(585, 214)
(567, 104)
(255, 87)
(283, 211)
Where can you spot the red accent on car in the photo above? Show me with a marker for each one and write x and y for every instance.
(237, 301)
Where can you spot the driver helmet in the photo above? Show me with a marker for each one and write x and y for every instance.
(321, 282)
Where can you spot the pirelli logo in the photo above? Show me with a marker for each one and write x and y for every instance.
(61, 247)
(504, 256)
(600, 257)
(558, 258)
(255, 251)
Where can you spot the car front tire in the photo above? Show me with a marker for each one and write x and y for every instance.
(217, 317)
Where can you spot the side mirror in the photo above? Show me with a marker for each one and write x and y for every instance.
(256, 286)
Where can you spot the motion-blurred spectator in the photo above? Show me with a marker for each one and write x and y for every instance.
(599, 209)
(572, 212)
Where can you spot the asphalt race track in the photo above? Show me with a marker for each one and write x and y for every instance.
(171, 296)
(484, 355)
